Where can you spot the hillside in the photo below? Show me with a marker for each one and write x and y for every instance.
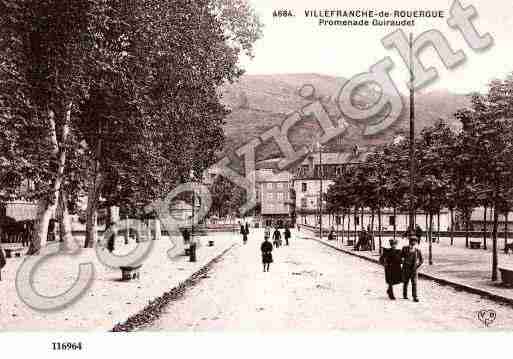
(259, 102)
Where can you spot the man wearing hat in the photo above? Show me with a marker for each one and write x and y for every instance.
(391, 260)
(412, 260)
(2, 261)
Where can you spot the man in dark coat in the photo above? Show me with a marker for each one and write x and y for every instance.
(245, 232)
(247, 228)
(418, 232)
(391, 260)
(277, 237)
(2, 261)
(242, 229)
(287, 236)
(411, 260)
(267, 257)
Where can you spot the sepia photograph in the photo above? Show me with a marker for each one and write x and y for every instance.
(255, 167)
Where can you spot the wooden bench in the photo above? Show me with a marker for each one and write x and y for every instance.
(12, 251)
(475, 245)
(130, 272)
(507, 276)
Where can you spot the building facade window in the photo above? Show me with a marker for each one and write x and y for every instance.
(270, 196)
(391, 220)
(304, 187)
(339, 220)
(357, 220)
(280, 196)
(304, 203)
(269, 185)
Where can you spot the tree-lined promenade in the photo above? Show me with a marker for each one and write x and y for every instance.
(457, 170)
(114, 100)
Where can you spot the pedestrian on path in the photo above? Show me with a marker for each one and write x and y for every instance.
(245, 233)
(277, 237)
(267, 232)
(411, 260)
(247, 228)
(2, 261)
(267, 257)
(419, 232)
(287, 235)
(242, 228)
(331, 235)
(391, 260)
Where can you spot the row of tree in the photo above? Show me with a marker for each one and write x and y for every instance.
(458, 170)
(113, 99)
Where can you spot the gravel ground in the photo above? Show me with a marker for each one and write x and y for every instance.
(108, 301)
(313, 287)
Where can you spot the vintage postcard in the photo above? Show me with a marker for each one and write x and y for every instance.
(255, 166)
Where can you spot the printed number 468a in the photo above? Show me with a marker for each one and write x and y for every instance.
(283, 13)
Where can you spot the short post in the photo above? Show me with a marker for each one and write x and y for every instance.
(192, 252)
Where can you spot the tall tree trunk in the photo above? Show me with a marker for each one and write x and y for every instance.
(111, 220)
(438, 227)
(494, 243)
(92, 212)
(506, 215)
(379, 230)
(430, 236)
(45, 210)
(354, 223)
(485, 247)
(372, 230)
(127, 230)
(48, 207)
(158, 229)
(395, 222)
(427, 227)
(467, 227)
(452, 227)
(65, 227)
(361, 219)
(93, 196)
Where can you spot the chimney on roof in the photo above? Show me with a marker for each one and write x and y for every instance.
(311, 167)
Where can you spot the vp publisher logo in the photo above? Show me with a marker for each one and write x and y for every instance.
(486, 316)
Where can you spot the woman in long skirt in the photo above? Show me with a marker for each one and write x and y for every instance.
(267, 257)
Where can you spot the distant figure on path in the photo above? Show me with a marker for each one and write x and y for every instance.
(247, 228)
(331, 235)
(267, 257)
(277, 238)
(418, 232)
(287, 235)
(245, 232)
(242, 229)
(391, 260)
(267, 232)
(186, 235)
(363, 241)
(411, 260)
(2, 261)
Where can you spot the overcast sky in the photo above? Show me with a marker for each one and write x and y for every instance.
(299, 45)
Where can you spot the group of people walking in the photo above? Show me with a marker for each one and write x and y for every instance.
(267, 247)
(401, 266)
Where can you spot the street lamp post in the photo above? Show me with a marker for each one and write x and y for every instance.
(412, 139)
(320, 190)
(192, 242)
